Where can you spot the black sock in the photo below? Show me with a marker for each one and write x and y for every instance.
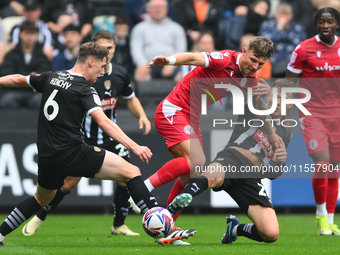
(249, 231)
(140, 194)
(55, 201)
(120, 205)
(196, 186)
(20, 214)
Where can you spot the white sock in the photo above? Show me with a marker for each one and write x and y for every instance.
(321, 209)
(149, 185)
(331, 218)
(234, 232)
(1, 237)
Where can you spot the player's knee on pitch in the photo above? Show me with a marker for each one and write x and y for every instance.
(270, 235)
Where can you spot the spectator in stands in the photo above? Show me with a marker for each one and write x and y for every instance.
(80, 10)
(64, 20)
(244, 20)
(305, 17)
(67, 58)
(136, 12)
(26, 58)
(10, 8)
(122, 54)
(32, 13)
(197, 16)
(285, 35)
(2, 42)
(157, 35)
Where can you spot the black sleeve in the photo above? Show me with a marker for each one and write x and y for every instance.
(127, 88)
(38, 81)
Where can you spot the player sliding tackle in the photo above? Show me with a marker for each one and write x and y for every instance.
(245, 149)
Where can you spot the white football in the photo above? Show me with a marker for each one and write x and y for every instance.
(157, 222)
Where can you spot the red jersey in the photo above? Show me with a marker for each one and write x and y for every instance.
(319, 67)
(220, 67)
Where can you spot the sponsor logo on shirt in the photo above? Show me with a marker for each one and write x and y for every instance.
(65, 76)
(109, 103)
(263, 141)
(216, 55)
(293, 57)
(327, 67)
(96, 99)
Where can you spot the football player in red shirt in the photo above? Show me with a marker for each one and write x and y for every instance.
(177, 116)
(316, 62)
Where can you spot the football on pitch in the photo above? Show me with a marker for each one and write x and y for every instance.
(157, 222)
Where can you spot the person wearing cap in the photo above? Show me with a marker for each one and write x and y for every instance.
(66, 58)
(32, 13)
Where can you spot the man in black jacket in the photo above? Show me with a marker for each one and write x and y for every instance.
(26, 58)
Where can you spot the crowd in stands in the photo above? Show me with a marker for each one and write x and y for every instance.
(48, 33)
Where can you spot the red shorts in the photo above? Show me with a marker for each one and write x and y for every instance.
(174, 125)
(321, 134)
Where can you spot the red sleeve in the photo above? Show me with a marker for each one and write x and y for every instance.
(218, 60)
(297, 59)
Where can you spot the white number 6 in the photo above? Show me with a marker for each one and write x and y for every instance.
(54, 104)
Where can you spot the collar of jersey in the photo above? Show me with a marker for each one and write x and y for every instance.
(319, 40)
(238, 62)
(77, 74)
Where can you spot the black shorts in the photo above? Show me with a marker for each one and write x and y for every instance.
(245, 191)
(85, 161)
(117, 148)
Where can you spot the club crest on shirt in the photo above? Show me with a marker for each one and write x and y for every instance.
(107, 84)
(243, 82)
(339, 52)
(188, 130)
(313, 144)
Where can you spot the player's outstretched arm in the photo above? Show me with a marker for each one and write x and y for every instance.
(114, 131)
(186, 58)
(137, 110)
(14, 81)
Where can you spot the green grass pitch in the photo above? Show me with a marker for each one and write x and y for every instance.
(90, 234)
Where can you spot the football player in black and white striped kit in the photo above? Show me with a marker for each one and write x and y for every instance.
(238, 170)
(113, 84)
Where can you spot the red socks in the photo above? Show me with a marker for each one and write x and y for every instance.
(325, 186)
(332, 192)
(320, 182)
(170, 171)
(175, 191)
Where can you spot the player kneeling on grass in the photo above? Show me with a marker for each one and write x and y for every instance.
(245, 151)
